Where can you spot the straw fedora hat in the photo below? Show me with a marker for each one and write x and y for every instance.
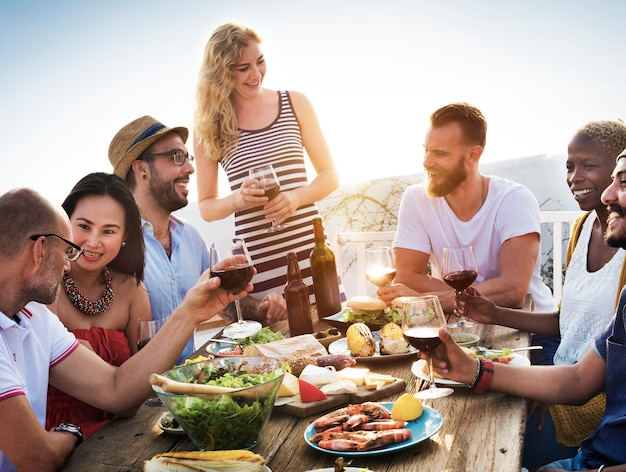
(134, 138)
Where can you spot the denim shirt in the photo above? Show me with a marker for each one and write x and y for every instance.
(168, 279)
(606, 445)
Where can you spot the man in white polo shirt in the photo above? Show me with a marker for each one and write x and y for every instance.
(36, 349)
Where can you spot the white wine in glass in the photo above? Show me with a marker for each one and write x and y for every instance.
(380, 268)
(422, 317)
(268, 181)
(459, 270)
(234, 278)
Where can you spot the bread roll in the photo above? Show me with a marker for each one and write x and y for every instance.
(364, 303)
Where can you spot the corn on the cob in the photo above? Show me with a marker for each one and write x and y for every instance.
(360, 340)
(392, 340)
(187, 461)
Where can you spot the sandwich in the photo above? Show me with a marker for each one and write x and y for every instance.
(364, 309)
(218, 461)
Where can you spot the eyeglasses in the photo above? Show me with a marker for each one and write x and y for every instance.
(176, 154)
(71, 253)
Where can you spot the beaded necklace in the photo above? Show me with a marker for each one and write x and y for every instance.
(85, 305)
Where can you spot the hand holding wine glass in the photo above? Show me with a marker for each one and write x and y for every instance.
(421, 319)
(380, 268)
(268, 181)
(235, 278)
(459, 270)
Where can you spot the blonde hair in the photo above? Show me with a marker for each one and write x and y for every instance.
(215, 119)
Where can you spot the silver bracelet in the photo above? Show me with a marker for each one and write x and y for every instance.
(477, 376)
(601, 468)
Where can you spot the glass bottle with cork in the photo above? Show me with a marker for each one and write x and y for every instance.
(324, 269)
(297, 299)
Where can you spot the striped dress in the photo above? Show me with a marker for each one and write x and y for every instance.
(280, 144)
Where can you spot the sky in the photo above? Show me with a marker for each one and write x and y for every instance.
(73, 72)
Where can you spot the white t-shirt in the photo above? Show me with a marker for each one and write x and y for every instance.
(588, 302)
(428, 225)
(27, 352)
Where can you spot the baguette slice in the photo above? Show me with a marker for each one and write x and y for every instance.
(193, 461)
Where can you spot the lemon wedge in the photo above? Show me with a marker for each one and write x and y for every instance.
(406, 408)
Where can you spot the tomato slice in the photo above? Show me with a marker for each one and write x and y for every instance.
(504, 359)
(309, 392)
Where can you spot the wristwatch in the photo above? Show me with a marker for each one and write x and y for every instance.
(72, 429)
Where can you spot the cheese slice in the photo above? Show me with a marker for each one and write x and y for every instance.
(354, 374)
(371, 384)
(384, 378)
(343, 386)
(320, 375)
(290, 386)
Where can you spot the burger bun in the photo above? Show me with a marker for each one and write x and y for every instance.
(365, 303)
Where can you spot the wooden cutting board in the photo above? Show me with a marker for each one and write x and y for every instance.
(303, 410)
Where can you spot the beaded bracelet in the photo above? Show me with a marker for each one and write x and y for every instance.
(479, 371)
(485, 377)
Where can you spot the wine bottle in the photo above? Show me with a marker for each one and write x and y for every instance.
(297, 299)
(324, 269)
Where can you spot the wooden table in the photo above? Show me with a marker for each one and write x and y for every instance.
(479, 433)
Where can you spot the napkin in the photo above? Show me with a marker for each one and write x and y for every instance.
(303, 345)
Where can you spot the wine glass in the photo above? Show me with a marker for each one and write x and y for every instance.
(268, 181)
(421, 319)
(380, 268)
(235, 277)
(146, 330)
(459, 270)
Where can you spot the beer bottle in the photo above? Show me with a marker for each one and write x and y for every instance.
(325, 281)
(297, 299)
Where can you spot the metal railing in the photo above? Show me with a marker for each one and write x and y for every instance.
(555, 219)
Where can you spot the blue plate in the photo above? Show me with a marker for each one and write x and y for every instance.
(421, 429)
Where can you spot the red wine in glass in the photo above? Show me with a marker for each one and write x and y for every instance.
(268, 181)
(459, 270)
(271, 192)
(235, 278)
(461, 279)
(146, 330)
(235, 273)
(422, 318)
(425, 339)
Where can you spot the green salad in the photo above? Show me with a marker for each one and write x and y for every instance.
(495, 354)
(225, 421)
(264, 336)
(388, 315)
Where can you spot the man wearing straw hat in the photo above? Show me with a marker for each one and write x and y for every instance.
(154, 161)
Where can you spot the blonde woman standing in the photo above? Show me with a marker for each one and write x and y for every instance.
(239, 125)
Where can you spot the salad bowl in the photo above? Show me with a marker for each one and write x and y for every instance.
(236, 415)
